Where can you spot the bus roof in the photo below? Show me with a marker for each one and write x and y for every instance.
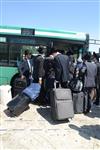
(22, 31)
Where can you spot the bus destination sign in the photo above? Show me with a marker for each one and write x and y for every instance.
(27, 32)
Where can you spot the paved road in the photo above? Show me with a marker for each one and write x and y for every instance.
(35, 130)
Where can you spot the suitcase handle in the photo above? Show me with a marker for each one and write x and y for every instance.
(56, 83)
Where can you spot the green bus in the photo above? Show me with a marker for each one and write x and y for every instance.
(14, 40)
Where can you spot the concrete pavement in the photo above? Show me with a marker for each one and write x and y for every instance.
(35, 130)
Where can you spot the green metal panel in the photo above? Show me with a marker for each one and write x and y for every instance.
(78, 36)
(6, 74)
(37, 29)
(69, 35)
(55, 31)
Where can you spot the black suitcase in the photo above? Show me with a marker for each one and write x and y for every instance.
(80, 101)
(19, 85)
(61, 104)
(18, 104)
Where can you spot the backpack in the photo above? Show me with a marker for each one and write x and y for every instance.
(75, 85)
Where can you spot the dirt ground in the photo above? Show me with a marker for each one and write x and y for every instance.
(35, 130)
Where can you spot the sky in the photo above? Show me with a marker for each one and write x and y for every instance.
(68, 15)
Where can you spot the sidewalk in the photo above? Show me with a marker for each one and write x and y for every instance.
(35, 130)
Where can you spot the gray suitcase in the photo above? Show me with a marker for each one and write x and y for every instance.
(61, 104)
(80, 102)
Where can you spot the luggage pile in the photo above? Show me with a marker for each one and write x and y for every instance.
(21, 102)
(64, 103)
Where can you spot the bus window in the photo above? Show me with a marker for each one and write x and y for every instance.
(3, 54)
(15, 51)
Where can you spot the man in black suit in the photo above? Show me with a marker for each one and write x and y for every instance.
(97, 62)
(38, 72)
(61, 67)
(26, 67)
(38, 61)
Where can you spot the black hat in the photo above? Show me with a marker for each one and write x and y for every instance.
(87, 56)
(69, 52)
(96, 56)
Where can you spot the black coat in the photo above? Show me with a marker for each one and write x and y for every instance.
(24, 68)
(38, 71)
(61, 68)
(49, 67)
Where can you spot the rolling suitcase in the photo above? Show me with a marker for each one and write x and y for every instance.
(18, 104)
(61, 104)
(80, 102)
(19, 85)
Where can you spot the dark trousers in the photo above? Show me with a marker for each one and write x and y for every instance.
(41, 98)
(88, 91)
(27, 75)
(49, 85)
(97, 102)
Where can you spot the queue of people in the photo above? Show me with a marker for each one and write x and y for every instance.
(62, 68)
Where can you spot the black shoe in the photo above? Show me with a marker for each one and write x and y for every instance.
(87, 110)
